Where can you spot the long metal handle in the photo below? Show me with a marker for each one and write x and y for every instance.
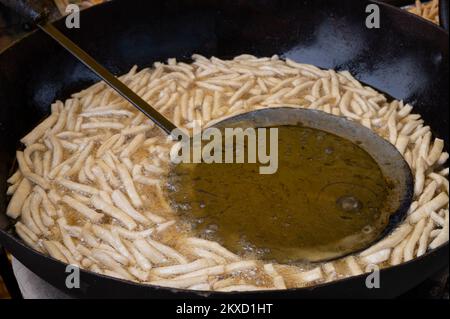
(37, 12)
(109, 78)
(443, 14)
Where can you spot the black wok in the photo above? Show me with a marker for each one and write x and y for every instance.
(406, 58)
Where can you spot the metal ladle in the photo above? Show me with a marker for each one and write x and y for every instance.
(391, 163)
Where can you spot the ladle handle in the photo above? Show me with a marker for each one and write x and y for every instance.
(159, 119)
(37, 12)
(34, 11)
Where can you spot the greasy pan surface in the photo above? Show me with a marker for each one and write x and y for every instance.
(406, 58)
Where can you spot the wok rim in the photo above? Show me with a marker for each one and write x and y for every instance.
(100, 6)
(402, 9)
(202, 293)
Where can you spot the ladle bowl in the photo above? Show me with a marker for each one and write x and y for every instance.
(207, 197)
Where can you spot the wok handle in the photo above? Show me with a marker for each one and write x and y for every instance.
(35, 11)
(443, 13)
